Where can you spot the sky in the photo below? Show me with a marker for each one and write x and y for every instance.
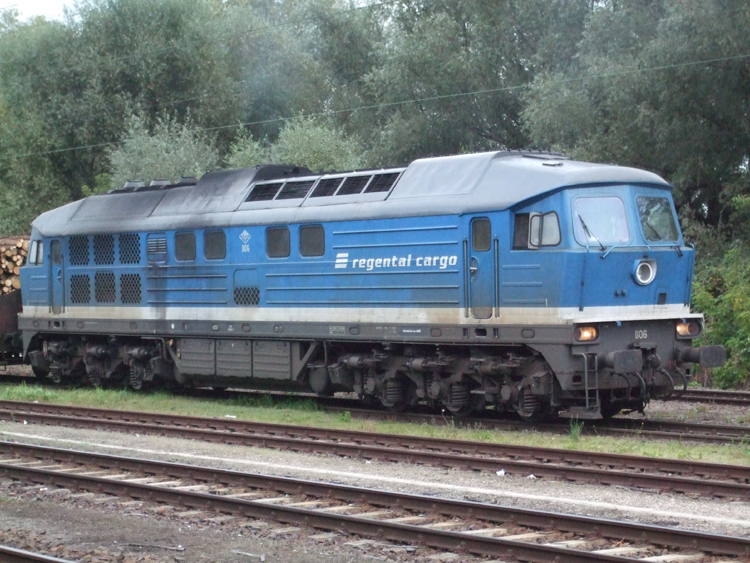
(51, 9)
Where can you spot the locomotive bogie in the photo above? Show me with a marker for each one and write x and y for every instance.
(516, 281)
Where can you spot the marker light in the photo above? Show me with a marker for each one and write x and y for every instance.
(691, 328)
(585, 333)
(644, 272)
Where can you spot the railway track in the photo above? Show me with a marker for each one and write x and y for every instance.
(617, 427)
(12, 555)
(736, 398)
(691, 477)
(426, 521)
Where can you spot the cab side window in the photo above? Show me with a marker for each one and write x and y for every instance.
(536, 230)
(36, 253)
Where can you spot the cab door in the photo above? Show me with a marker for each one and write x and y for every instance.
(481, 265)
(56, 277)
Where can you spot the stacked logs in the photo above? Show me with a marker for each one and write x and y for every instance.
(13, 252)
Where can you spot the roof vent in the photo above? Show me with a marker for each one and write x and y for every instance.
(186, 181)
(130, 186)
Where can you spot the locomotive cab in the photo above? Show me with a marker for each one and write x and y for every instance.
(616, 266)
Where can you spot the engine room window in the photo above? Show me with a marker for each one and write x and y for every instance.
(481, 235)
(184, 246)
(600, 220)
(277, 242)
(312, 240)
(214, 245)
(657, 219)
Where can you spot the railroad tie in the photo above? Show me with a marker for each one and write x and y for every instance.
(676, 557)
(495, 531)
(624, 550)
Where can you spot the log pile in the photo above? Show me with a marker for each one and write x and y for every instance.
(13, 253)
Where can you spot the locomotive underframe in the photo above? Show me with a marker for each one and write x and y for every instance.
(535, 371)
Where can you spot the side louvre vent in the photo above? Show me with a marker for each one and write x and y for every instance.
(79, 251)
(157, 248)
(80, 289)
(295, 190)
(381, 183)
(326, 187)
(104, 249)
(130, 288)
(130, 248)
(104, 287)
(263, 192)
(353, 185)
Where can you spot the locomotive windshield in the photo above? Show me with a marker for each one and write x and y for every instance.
(601, 221)
(657, 219)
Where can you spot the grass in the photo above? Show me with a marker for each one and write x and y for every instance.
(305, 411)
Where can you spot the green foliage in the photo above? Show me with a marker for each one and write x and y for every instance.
(465, 65)
(245, 152)
(722, 294)
(576, 428)
(318, 145)
(172, 150)
(658, 85)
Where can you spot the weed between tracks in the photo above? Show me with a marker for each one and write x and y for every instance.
(305, 411)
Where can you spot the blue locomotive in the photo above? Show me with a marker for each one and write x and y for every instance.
(520, 281)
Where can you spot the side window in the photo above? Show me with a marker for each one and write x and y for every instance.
(534, 230)
(312, 240)
(481, 235)
(550, 229)
(40, 254)
(214, 245)
(56, 254)
(277, 242)
(521, 232)
(32, 252)
(184, 246)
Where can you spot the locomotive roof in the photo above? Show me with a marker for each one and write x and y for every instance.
(430, 186)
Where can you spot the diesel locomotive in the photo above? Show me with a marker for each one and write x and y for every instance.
(518, 281)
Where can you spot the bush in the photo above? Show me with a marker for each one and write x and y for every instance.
(170, 151)
(722, 294)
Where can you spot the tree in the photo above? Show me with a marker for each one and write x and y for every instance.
(170, 151)
(454, 71)
(660, 85)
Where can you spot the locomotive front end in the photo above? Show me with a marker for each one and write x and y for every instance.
(633, 333)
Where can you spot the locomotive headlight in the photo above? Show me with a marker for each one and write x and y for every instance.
(585, 333)
(690, 328)
(644, 271)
